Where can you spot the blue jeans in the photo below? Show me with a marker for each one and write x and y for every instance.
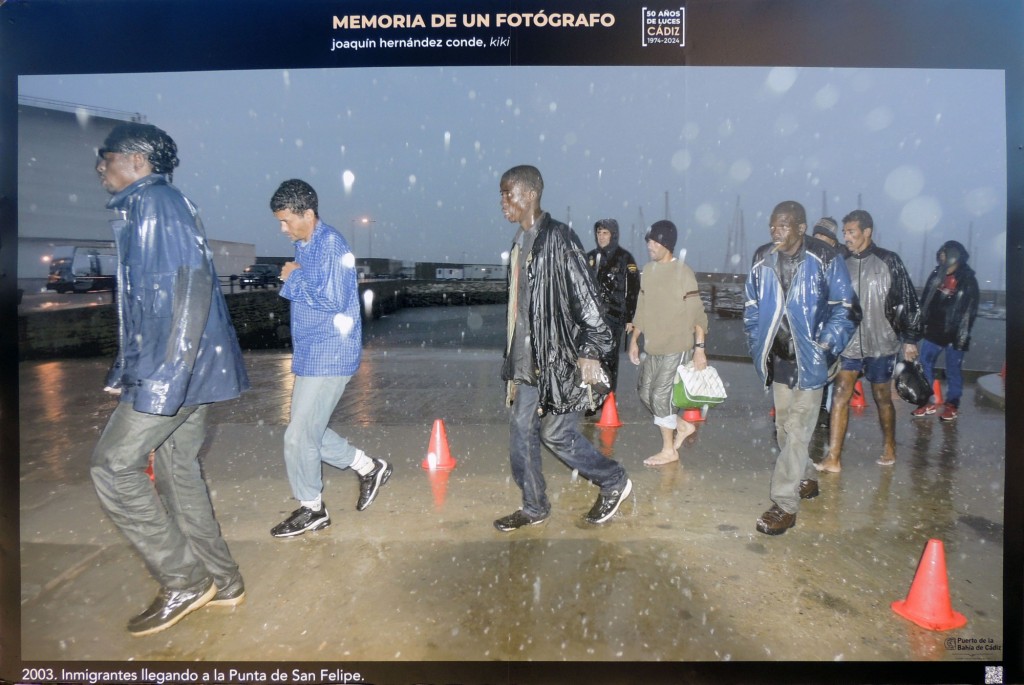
(560, 434)
(308, 441)
(172, 525)
(954, 362)
(796, 413)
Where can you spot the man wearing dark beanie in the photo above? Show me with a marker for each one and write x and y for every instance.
(670, 315)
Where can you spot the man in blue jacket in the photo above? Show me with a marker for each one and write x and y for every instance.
(327, 346)
(800, 311)
(177, 354)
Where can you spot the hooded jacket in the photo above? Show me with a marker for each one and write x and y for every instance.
(176, 344)
(888, 302)
(820, 307)
(565, 316)
(963, 310)
(616, 276)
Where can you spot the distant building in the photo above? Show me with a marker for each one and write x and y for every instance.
(60, 200)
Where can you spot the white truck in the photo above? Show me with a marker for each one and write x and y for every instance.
(75, 269)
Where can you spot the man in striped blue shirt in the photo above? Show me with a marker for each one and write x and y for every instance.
(327, 343)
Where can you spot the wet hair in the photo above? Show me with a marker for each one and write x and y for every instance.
(791, 207)
(861, 217)
(295, 195)
(158, 147)
(527, 176)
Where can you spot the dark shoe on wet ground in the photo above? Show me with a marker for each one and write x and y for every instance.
(518, 519)
(808, 489)
(949, 413)
(775, 521)
(301, 520)
(170, 606)
(606, 505)
(372, 482)
(231, 595)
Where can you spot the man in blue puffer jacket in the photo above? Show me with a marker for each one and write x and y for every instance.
(177, 354)
(800, 312)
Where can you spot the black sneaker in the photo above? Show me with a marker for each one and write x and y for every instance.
(518, 519)
(301, 520)
(372, 482)
(170, 606)
(606, 505)
(231, 595)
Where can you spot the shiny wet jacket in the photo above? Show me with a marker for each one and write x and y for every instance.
(565, 316)
(820, 306)
(176, 342)
(887, 299)
(617, 279)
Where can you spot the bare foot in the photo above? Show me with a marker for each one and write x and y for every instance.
(684, 429)
(829, 465)
(661, 458)
(886, 460)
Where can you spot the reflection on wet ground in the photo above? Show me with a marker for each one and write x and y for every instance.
(678, 575)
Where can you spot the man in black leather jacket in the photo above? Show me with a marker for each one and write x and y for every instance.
(618, 286)
(950, 306)
(556, 337)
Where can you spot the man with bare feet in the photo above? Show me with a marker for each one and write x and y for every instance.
(891, 321)
(671, 318)
(799, 314)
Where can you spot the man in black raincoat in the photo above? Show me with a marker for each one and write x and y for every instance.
(950, 306)
(618, 286)
(556, 337)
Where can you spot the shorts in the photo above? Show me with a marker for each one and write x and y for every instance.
(876, 369)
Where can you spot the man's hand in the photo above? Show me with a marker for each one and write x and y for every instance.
(112, 390)
(909, 351)
(634, 351)
(590, 370)
(287, 270)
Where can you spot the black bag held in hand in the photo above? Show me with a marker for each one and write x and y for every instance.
(911, 385)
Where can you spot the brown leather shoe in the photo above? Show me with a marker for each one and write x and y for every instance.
(775, 521)
(808, 489)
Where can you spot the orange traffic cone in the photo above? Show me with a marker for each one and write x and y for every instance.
(149, 467)
(858, 401)
(609, 413)
(438, 456)
(937, 391)
(607, 441)
(439, 486)
(928, 603)
(693, 415)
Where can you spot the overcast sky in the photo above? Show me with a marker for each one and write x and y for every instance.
(419, 151)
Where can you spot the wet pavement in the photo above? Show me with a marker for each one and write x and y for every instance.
(679, 574)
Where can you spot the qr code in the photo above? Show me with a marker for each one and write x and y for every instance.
(993, 675)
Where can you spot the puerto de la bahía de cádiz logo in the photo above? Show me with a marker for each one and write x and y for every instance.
(663, 26)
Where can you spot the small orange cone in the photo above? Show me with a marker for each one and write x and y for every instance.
(937, 391)
(858, 401)
(439, 486)
(438, 456)
(609, 413)
(928, 603)
(149, 467)
(693, 415)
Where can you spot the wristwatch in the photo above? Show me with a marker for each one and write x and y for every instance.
(700, 345)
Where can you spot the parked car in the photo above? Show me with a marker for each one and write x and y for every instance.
(260, 276)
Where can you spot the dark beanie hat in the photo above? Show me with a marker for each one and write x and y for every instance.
(664, 233)
(827, 227)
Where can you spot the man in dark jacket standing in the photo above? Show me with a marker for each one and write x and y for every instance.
(618, 286)
(950, 305)
(177, 354)
(556, 337)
